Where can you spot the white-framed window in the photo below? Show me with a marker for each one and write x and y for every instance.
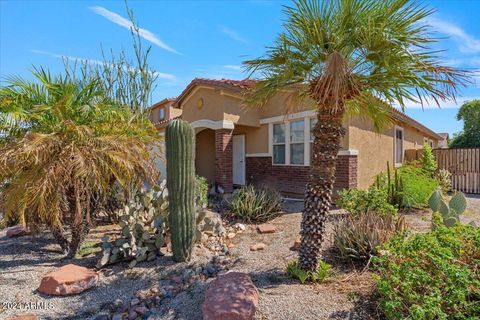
(428, 141)
(161, 114)
(297, 142)
(398, 145)
(279, 143)
(313, 122)
(290, 141)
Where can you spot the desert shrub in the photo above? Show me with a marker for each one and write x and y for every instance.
(357, 237)
(417, 186)
(320, 275)
(433, 275)
(252, 204)
(357, 201)
(201, 192)
(429, 164)
(407, 187)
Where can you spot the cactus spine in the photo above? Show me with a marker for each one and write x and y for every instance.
(180, 143)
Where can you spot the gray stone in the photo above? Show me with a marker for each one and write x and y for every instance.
(117, 316)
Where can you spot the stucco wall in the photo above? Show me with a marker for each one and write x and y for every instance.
(218, 105)
(256, 139)
(375, 150)
(205, 154)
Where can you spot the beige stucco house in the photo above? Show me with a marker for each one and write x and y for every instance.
(237, 144)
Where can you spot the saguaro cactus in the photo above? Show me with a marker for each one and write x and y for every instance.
(180, 142)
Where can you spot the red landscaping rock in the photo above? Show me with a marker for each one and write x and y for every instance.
(231, 296)
(266, 228)
(27, 316)
(69, 279)
(296, 244)
(257, 247)
(17, 231)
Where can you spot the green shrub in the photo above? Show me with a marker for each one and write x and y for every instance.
(429, 164)
(417, 186)
(358, 237)
(252, 204)
(357, 201)
(323, 272)
(201, 192)
(433, 275)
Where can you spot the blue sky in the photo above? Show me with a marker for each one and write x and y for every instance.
(199, 39)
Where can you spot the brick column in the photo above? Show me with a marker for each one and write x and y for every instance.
(346, 171)
(224, 159)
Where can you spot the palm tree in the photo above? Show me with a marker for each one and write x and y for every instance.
(63, 142)
(348, 56)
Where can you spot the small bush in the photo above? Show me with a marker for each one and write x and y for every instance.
(358, 237)
(433, 275)
(252, 204)
(417, 186)
(201, 192)
(429, 164)
(357, 201)
(322, 273)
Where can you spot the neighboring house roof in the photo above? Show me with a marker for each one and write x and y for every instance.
(444, 135)
(163, 101)
(229, 84)
(239, 86)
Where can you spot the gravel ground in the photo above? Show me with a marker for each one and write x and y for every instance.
(23, 262)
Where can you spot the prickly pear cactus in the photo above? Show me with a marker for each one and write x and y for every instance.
(458, 203)
(450, 213)
(180, 142)
(143, 222)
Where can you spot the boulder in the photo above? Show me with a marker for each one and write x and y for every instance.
(266, 228)
(231, 296)
(67, 280)
(17, 231)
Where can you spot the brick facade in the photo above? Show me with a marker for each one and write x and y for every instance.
(224, 159)
(292, 179)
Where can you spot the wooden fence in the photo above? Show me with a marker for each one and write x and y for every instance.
(463, 164)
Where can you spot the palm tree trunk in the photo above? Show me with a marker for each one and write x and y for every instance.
(328, 133)
(57, 233)
(77, 224)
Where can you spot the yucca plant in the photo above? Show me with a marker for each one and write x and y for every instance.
(348, 57)
(62, 142)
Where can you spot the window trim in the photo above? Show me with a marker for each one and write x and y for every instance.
(398, 164)
(164, 114)
(305, 117)
(284, 143)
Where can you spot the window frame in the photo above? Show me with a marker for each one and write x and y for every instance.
(306, 140)
(160, 111)
(284, 143)
(398, 128)
(296, 142)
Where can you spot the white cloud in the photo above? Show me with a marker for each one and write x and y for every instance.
(431, 104)
(127, 24)
(160, 75)
(233, 67)
(232, 34)
(467, 42)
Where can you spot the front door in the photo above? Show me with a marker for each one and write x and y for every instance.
(239, 160)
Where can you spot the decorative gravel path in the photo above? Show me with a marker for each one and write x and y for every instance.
(23, 261)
